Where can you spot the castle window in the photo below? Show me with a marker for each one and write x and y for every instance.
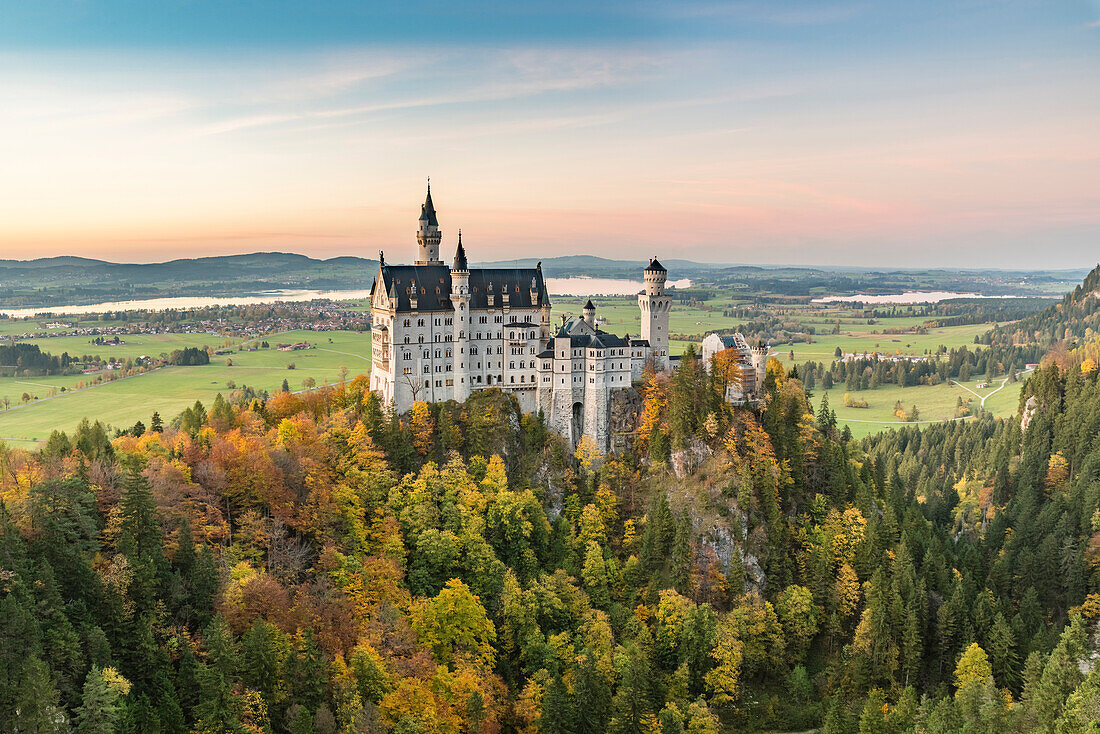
(407, 322)
(407, 371)
(420, 322)
(422, 291)
(406, 356)
(448, 352)
(437, 290)
(406, 340)
(513, 379)
(421, 338)
(427, 383)
(427, 370)
(439, 383)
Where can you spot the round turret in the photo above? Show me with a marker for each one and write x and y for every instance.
(589, 313)
(655, 276)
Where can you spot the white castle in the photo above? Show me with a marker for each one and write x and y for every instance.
(439, 333)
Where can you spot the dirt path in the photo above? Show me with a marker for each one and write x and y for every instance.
(982, 398)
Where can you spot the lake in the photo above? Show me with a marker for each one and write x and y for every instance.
(899, 298)
(162, 304)
(557, 286)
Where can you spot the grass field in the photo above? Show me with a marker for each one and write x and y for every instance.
(934, 402)
(171, 389)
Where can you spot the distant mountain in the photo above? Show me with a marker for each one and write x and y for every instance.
(591, 265)
(75, 280)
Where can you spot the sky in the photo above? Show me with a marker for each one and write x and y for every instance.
(947, 134)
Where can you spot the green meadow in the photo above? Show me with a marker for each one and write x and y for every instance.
(169, 390)
(934, 403)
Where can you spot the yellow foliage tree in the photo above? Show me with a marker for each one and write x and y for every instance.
(724, 677)
(423, 427)
(1057, 471)
(973, 667)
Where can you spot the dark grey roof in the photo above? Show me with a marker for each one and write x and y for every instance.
(433, 285)
(599, 340)
(655, 265)
(545, 354)
(639, 342)
(427, 209)
(588, 306)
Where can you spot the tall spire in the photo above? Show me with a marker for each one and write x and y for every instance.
(428, 235)
(427, 210)
(460, 255)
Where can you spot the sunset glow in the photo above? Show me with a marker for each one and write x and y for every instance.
(825, 133)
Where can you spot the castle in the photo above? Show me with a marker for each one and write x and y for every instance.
(751, 362)
(439, 333)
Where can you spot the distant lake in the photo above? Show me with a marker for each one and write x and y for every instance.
(582, 286)
(558, 286)
(162, 304)
(908, 297)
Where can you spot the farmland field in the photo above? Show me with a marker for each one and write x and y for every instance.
(171, 389)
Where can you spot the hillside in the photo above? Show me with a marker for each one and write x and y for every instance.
(52, 281)
(1064, 323)
(311, 563)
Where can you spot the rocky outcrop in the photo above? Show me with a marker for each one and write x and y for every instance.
(1029, 411)
(685, 461)
(626, 409)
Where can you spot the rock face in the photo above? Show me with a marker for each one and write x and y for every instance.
(626, 408)
(684, 461)
(1029, 410)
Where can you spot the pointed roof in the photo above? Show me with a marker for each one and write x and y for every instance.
(460, 255)
(588, 306)
(427, 209)
(655, 265)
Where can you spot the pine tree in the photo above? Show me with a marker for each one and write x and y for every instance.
(558, 713)
(99, 710)
(156, 423)
(591, 697)
(37, 706)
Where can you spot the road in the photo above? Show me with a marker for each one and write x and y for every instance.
(990, 394)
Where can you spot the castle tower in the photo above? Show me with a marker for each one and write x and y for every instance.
(428, 236)
(655, 307)
(589, 313)
(759, 366)
(460, 301)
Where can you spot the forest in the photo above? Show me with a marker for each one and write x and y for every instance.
(314, 563)
(28, 360)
